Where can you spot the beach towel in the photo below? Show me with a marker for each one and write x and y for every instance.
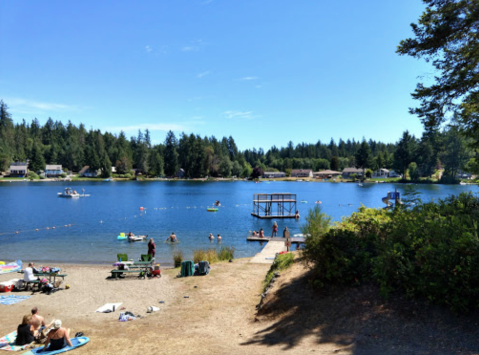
(11, 267)
(109, 307)
(8, 343)
(7, 300)
(187, 268)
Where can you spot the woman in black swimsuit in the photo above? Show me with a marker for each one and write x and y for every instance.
(58, 337)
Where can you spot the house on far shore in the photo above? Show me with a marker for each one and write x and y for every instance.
(113, 169)
(18, 169)
(347, 172)
(273, 174)
(53, 170)
(393, 174)
(87, 172)
(180, 174)
(381, 173)
(304, 173)
(326, 174)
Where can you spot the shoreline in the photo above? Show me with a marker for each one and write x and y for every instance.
(168, 265)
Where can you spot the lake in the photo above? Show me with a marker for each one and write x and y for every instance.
(168, 206)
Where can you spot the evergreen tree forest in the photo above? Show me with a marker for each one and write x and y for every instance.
(75, 147)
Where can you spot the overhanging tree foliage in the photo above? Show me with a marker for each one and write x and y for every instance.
(447, 34)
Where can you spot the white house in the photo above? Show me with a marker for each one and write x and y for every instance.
(381, 173)
(53, 170)
(393, 174)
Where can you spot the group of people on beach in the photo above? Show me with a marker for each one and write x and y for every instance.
(35, 329)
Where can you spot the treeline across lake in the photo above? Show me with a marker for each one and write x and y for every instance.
(75, 147)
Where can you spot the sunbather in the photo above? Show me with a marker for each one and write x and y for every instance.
(25, 331)
(58, 337)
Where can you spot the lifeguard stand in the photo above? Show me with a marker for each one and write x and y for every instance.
(277, 205)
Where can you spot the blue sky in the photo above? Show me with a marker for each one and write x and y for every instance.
(265, 72)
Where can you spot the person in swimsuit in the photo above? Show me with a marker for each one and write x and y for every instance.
(38, 322)
(211, 236)
(151, 247)
(58, 337)
(275, 229)
(25, 332)
(219, 238)
(172, 238)
(261, 233)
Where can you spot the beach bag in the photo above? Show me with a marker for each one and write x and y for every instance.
(203, 268)
(187, 268)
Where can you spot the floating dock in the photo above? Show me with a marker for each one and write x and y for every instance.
(277, 205)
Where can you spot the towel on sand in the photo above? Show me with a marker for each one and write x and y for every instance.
(8, 343)
(12, 299)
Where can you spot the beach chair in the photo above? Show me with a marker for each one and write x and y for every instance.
(122, 257)
(203, 268)
(146, 257)
(187, 268)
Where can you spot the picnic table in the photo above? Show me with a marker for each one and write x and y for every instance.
(50, 275)
(133, 267)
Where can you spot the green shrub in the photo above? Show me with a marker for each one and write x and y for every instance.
(282, 262)
(33, 176)
(202, 255)
(177, 258)
(429, 251)
(226, 253)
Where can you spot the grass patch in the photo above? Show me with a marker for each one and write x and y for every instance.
(282, 262)
(212, 255)
(177, 258)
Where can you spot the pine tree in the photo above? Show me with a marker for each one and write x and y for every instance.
(171, 155)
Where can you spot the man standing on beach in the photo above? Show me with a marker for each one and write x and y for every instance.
(38, 322)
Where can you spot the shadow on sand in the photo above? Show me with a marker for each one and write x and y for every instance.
(357, 320)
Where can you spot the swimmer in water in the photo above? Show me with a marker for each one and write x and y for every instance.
(211, 236)
(219, 238)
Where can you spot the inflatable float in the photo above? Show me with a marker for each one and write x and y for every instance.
(137, 238)
(212, 209)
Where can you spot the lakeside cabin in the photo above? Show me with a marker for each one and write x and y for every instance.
(18, 169)
(302, 173)
(273, 174)
(347, 172)
(53, 170)
(326, 174)
(276, 205)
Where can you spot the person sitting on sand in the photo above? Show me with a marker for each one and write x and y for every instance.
(211, 236)
(219, 238)
(25, 332)
(172, 238)
(58, 337)
(261, 233)
(38, 322)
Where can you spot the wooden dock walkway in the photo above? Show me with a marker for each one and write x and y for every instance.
(267, 255)
(276, 239)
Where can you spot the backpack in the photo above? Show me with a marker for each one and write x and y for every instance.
(203, 268)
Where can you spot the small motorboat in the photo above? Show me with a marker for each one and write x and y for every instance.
(69, 192)
(137, 238)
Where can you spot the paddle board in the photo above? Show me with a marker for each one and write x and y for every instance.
(76, 342)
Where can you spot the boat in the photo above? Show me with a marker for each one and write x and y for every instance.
(212, 209)
(360, 184)
(69, 192)
(462, 183)
(303, 201)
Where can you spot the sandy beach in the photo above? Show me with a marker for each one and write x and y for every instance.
(219, 315)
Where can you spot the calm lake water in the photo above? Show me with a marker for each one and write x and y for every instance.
(178, 206)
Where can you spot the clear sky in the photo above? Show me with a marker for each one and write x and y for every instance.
(263, 71)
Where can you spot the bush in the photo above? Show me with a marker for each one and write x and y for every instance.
(33, 176)
(281, 262)
(226, 253)
(202, 255)
(177, 258)
(429, 251)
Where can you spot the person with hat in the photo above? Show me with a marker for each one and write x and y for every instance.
(58, 337)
